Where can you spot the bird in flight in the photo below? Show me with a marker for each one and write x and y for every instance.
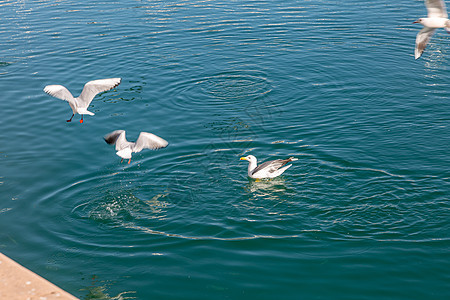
(124, 148)
(80, 104)
(437, 18)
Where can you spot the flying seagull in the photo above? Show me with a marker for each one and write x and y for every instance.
(80, 104)
(437, 18)
(268, 169)
(125, 148)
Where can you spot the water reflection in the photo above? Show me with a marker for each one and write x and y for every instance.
(156, 205)
(97, 290)
(276, 189)
(265, 187)
(269, 199)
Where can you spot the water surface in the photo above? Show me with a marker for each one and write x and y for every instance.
(363, 213)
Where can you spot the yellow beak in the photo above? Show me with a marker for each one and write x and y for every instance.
(243, 158)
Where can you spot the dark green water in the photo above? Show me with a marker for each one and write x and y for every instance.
(363, 214)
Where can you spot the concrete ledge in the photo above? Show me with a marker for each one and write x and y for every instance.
(17, 282)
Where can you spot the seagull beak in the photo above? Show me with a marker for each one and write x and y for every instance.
(416, 22)
(243, 158)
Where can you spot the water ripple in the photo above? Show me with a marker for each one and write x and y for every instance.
(227, 91)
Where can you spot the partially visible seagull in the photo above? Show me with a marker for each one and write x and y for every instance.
(80, 104)
(125, 148)
(268, 169)
(437, 18)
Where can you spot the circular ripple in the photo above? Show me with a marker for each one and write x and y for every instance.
(184, 198)
(171, 200)
(225, 91)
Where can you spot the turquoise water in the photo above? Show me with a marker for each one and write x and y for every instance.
(363, 213)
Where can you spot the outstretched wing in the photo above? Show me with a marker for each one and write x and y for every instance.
(94, 87)
(271, 166)
(60, 92)
(422, 39)
(436, 9)
(149, 141)
(117, 137)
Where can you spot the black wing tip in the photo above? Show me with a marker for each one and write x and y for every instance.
(110, 138)
(117, 84)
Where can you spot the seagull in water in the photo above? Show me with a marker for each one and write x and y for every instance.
(437, 18)
(80, 104)
(268, 169)
(125, 148)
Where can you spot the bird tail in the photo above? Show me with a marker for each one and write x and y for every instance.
(280, 171)
(124, 153)
(85, 112)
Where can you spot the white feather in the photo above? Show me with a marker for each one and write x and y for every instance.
(80, 104)
(124, 148)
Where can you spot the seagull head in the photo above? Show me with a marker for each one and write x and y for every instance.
(249, 158)
(418, 21)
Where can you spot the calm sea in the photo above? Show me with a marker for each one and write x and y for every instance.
(363, 214)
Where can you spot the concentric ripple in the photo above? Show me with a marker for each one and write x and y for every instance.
(183, 199)
(363, 212)
(229, 91)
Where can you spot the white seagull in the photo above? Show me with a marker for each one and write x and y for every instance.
(80, 104)
(437, 18)
(125, 148)
(268, 169)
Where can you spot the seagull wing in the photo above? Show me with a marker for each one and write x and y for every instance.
(117, 137)
(94, 87)
(436, 8)
(271, 166)
(149, 141)
(60, 92)
(422, 39)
